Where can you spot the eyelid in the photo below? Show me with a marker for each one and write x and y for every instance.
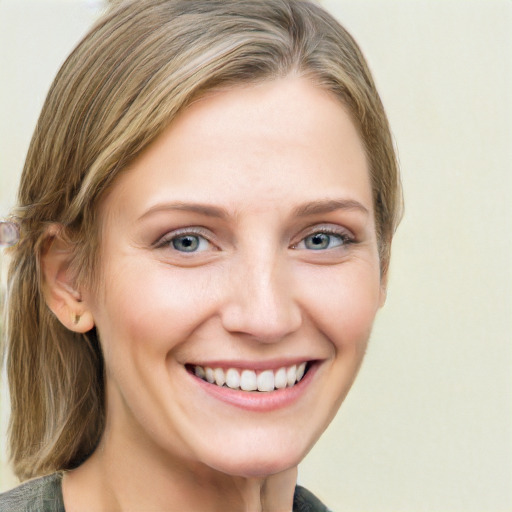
(328, 229)
(166, 239)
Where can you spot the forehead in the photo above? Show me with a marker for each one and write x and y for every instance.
(269, 143)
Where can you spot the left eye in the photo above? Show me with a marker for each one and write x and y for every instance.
(189, 243)
(321, 241)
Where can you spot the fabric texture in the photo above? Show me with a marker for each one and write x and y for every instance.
(40, 495)
(45, 495)
(305, 501)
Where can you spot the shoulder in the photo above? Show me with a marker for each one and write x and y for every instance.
(305, 501)
(39, 495)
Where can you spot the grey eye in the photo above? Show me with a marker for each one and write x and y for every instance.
(186, 243)
(321, 241)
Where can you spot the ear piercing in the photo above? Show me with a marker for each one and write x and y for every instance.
(76, 319)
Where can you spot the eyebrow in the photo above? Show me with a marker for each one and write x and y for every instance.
(304, 210)
(203, 209)
(328, 206)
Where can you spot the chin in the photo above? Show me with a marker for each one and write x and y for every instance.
(261, 467)
(260, 461)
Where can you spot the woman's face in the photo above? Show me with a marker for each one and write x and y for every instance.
(240, 246)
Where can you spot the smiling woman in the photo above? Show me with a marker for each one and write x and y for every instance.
(205, 222)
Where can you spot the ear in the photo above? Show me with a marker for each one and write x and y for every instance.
(59, 290)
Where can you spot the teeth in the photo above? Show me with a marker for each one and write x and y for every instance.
(210, 377)
(249, 380)
(220, 378)
(300, 371)
(233, 379)
(199, 371)
(266, 381)
(291, 375)
(280, 380)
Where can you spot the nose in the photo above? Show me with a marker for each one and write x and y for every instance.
(260, 301)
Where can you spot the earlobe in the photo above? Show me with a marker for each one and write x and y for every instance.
(81, 322)
(59, 290)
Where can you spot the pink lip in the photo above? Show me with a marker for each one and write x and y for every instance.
(255, 400)
(275, 364)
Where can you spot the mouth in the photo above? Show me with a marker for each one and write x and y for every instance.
(265, 381)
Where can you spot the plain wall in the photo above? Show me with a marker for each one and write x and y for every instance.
(428, 424)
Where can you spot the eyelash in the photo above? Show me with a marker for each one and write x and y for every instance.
(344, 238)
(165, 241)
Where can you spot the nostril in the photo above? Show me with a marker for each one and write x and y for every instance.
(260, 322)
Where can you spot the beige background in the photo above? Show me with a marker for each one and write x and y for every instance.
(428, 425)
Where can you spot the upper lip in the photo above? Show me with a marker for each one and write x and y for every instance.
(273, 364)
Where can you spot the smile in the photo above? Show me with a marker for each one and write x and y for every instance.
(251, 380)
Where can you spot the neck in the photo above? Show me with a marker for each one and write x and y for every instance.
(116, 478)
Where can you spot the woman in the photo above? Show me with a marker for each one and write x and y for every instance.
(205, 219)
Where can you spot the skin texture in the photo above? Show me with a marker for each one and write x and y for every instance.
(266, 167)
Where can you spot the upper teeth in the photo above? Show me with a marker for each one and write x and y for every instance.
(249, 380)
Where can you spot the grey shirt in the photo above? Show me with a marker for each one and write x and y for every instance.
(45, 495)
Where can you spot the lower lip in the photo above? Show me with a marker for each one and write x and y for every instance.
(259, 401)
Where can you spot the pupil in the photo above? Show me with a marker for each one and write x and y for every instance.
(317, 241)
(186, 243)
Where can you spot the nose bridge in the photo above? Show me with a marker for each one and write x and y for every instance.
(260, 301)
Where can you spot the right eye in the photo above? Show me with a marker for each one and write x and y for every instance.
(184, 241)
(189, 243)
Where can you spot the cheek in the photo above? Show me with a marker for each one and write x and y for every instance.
(151, 308)
(344, 303)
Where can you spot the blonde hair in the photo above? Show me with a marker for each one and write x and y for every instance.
(141, 64)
